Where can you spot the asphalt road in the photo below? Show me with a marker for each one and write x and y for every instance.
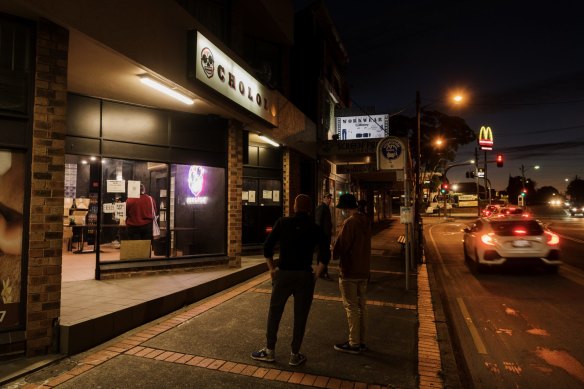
(518, 328)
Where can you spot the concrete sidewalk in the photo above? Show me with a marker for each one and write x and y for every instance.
(207, 344)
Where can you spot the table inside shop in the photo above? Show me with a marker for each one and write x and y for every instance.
(78, 234)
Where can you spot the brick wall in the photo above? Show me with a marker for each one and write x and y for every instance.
(234, 188)
(291, 172)
(47, 189)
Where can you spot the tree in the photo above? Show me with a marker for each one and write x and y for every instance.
(576, 190)
(515, 187)
(545, 193)
(433, 124)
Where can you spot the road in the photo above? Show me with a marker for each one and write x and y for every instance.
(513, 328)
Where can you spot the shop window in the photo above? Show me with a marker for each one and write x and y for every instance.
(197, 210)
(262, 206)
(12, 174)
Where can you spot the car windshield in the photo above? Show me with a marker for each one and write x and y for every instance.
(516, 227)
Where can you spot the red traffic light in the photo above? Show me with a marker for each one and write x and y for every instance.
(499, 160)
(444, 188)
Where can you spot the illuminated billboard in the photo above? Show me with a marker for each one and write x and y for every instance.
(362, 127)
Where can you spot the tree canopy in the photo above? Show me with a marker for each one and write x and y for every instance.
(434, 125)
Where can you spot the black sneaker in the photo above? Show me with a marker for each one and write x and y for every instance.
(347, 348)
(296, 359)
(264, 354)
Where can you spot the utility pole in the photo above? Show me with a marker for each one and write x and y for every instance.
(477, 181)
(418, 194)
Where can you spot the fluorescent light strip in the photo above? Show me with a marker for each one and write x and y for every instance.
(166, 90)
(268, 140)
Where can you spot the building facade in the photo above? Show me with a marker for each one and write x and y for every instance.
(81, 130)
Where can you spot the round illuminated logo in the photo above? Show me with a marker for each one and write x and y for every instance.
(391, 149)
(207, 62)
(196, 179)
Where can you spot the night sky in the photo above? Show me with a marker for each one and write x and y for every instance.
(520, 63)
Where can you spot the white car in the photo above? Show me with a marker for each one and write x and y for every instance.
(513, 239)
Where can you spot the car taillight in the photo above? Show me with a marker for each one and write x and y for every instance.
(552, 239)
(488, 239)
(519, 231)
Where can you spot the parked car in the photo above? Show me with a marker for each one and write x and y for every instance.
(511, 239)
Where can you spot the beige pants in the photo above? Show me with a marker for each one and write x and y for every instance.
(354, 293)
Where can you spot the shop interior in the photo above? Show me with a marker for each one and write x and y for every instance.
(99, 188)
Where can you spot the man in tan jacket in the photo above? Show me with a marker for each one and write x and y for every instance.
(353, 248)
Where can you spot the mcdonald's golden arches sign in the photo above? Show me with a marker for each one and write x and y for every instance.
(486, 138)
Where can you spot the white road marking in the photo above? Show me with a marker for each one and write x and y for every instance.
(474, 333)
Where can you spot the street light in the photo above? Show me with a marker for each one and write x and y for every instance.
(456, 98)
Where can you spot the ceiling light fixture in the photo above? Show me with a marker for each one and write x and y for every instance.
(166, 90)
(268, 140)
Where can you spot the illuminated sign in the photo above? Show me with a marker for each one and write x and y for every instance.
(196, 179)
(390, 154)
(217, 70)
(362, 127)
(486, 138)
(196, 182)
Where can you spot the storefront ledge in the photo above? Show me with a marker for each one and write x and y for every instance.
(125, 269)
(90, 332)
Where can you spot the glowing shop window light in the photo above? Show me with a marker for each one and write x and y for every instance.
(196, 181)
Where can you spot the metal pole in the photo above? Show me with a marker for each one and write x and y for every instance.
(418, 187)
(486, 179)
(477, 181)
(407, 232)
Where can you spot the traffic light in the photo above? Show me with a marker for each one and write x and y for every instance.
(470, 174)
(499, 160)
(444, 188)
(523, 192)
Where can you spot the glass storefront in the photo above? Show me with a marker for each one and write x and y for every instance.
(188, 201)
(262, 192)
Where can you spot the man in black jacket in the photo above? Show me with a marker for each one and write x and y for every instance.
(298, 236)
(322, 217)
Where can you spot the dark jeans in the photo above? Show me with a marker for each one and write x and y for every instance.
(299, 284)
(140, 232)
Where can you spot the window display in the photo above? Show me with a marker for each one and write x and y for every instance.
(197, 210)
(189, 207)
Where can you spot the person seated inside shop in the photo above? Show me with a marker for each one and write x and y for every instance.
(140, 213)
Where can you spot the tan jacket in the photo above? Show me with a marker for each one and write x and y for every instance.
(353, 247)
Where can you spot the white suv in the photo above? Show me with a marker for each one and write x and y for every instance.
(511, 240)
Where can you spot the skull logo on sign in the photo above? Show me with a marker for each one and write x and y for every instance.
(207, 62)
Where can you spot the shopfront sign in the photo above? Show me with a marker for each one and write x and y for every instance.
(349, 147)
(355, 168)
(391, 153)
(214, 68)
(362, 127)
(486, 138)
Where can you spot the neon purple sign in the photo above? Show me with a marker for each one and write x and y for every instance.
(196, 179)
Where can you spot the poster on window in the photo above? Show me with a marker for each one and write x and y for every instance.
(12, 175)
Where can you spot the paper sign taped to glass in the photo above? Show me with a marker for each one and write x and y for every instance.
(391, 154)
